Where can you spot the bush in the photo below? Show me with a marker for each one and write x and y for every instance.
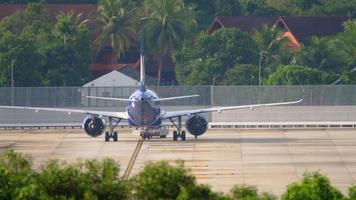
(246, 74)
(199, 192)
(15, 173)
(352, 192)
(314, 186)
(244, 192)
(162, 181)
(93, 179)
(300, 75)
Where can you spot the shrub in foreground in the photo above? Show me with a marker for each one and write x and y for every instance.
(314, 186)
(163, 181)
(245, 192)
(80, 180)
(93, 179)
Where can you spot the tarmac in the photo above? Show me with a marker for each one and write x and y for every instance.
(267, 159)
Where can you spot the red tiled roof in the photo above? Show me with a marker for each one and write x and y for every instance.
(243, 23)
(305, 27)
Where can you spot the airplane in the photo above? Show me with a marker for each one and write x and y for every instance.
(143, 111)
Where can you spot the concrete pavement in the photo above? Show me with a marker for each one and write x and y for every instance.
(268, 159)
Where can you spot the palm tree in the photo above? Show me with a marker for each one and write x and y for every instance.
(167, 24)
(67, 25)
(118, 25)
(269, 41)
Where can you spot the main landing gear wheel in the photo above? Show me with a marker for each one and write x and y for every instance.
(182, 136)
(176, 135)
(146, 135)
(112, 136)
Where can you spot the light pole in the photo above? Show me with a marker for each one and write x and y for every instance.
(12, 82)
(259, 68)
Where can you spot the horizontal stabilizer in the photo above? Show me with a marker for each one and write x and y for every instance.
(174, 98)
(108, 98)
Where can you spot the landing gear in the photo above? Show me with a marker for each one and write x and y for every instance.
(175, 135)
(178, 133)
(183, 135)
(108, 136)
(146, 135)
(112, 134)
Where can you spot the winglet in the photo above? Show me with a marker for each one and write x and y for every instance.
(300, 100)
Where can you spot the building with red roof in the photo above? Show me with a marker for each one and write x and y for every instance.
(297, 29)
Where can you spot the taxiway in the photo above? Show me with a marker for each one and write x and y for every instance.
(268, 159)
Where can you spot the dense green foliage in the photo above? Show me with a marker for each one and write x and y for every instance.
(160, 181)
(49, 1)
(47, 53)
(332, 57)
(206, 61)
(43, 53)
(166, 25)
(245, 192)
(117, 21)
(299, 75)
(314, 186)
(241, 75)
(209, 60)
(80, 180)
(92, 179)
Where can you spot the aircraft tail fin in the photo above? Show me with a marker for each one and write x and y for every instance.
(142, 67)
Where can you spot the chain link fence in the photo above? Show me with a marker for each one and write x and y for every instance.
(323, 95)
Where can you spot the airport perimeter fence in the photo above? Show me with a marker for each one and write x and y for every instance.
(321, 95)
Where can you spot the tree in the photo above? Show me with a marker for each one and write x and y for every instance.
(314, 186)
(118, 25)
(43, 53)
(318, 54)
(15, 174)
(228, 8)
(344, 45)
(246, 74)
(199, 192)
(299, 75)
(21, 52)
(206, 60)
(245, 192)
(68, 54)
(352, 192)
(270, 43)
(260, 8)
(162, 181)
(21, 35)
(167, 24)
(90, 179)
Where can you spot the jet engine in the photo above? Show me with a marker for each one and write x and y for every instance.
(197, 124)
(94, 126)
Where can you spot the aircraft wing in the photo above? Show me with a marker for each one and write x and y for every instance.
(168, 115)
(121, 115)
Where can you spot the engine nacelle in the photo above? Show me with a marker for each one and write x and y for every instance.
(197, 124)
(94, 126)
